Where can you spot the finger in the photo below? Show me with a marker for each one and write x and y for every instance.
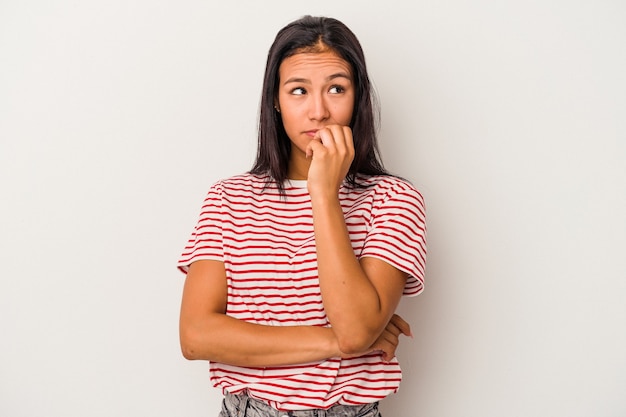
(402, 325)
(326, 137)
(342, 136)
(387, 349)
(338, 137)
(347, 133)
(314, 145)
(387, 356)
(392, 328)
(391, 337)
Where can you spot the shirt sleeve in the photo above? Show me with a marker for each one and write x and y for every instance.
(206, 242)
(398, 235)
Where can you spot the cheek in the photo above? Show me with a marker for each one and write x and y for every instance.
(346, 116)
(287, 116)
(289, 121)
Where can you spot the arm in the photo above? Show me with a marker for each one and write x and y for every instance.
(206, 332)
(389, 339)
(359, 297)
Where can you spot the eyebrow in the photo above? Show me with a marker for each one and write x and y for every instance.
(329, 78)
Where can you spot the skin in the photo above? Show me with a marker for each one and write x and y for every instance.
(315, 95)
(316, 101)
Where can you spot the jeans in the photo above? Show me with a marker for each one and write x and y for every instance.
(241, 405)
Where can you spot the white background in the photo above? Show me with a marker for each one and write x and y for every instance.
(510, 116)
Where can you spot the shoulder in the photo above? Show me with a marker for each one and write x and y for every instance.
(243, 182)
(389, 187)
(244, 188)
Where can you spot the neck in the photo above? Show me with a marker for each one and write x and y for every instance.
(298, 167)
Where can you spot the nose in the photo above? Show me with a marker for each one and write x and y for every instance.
(318, 107)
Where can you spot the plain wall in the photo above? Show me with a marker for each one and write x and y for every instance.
(116, 116)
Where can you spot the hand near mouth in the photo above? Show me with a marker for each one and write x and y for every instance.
(331, 151)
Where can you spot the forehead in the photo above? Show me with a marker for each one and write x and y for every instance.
(314, 63)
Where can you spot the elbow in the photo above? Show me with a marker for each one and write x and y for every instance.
(354, 338)
(188, 346)
(352, 344)
(188, 353)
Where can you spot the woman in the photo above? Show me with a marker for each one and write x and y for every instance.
(295, 268)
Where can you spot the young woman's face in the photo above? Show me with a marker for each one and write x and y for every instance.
(315, 90)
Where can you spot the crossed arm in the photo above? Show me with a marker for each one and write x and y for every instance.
(207, 333)
(359, 296)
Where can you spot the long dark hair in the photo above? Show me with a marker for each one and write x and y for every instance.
(274, 147)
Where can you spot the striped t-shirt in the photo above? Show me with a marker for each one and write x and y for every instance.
(267, 244)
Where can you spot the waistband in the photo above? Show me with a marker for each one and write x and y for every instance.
(241, 405)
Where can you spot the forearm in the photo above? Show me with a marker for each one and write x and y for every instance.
(351, 301)
(221, 338)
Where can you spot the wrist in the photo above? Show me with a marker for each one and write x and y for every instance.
(331, 344)
(323, 189)
(323, 197)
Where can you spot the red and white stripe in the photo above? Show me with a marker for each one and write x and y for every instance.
(267, 244)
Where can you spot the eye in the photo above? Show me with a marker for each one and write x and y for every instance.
(336, 89)
(298, 91)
